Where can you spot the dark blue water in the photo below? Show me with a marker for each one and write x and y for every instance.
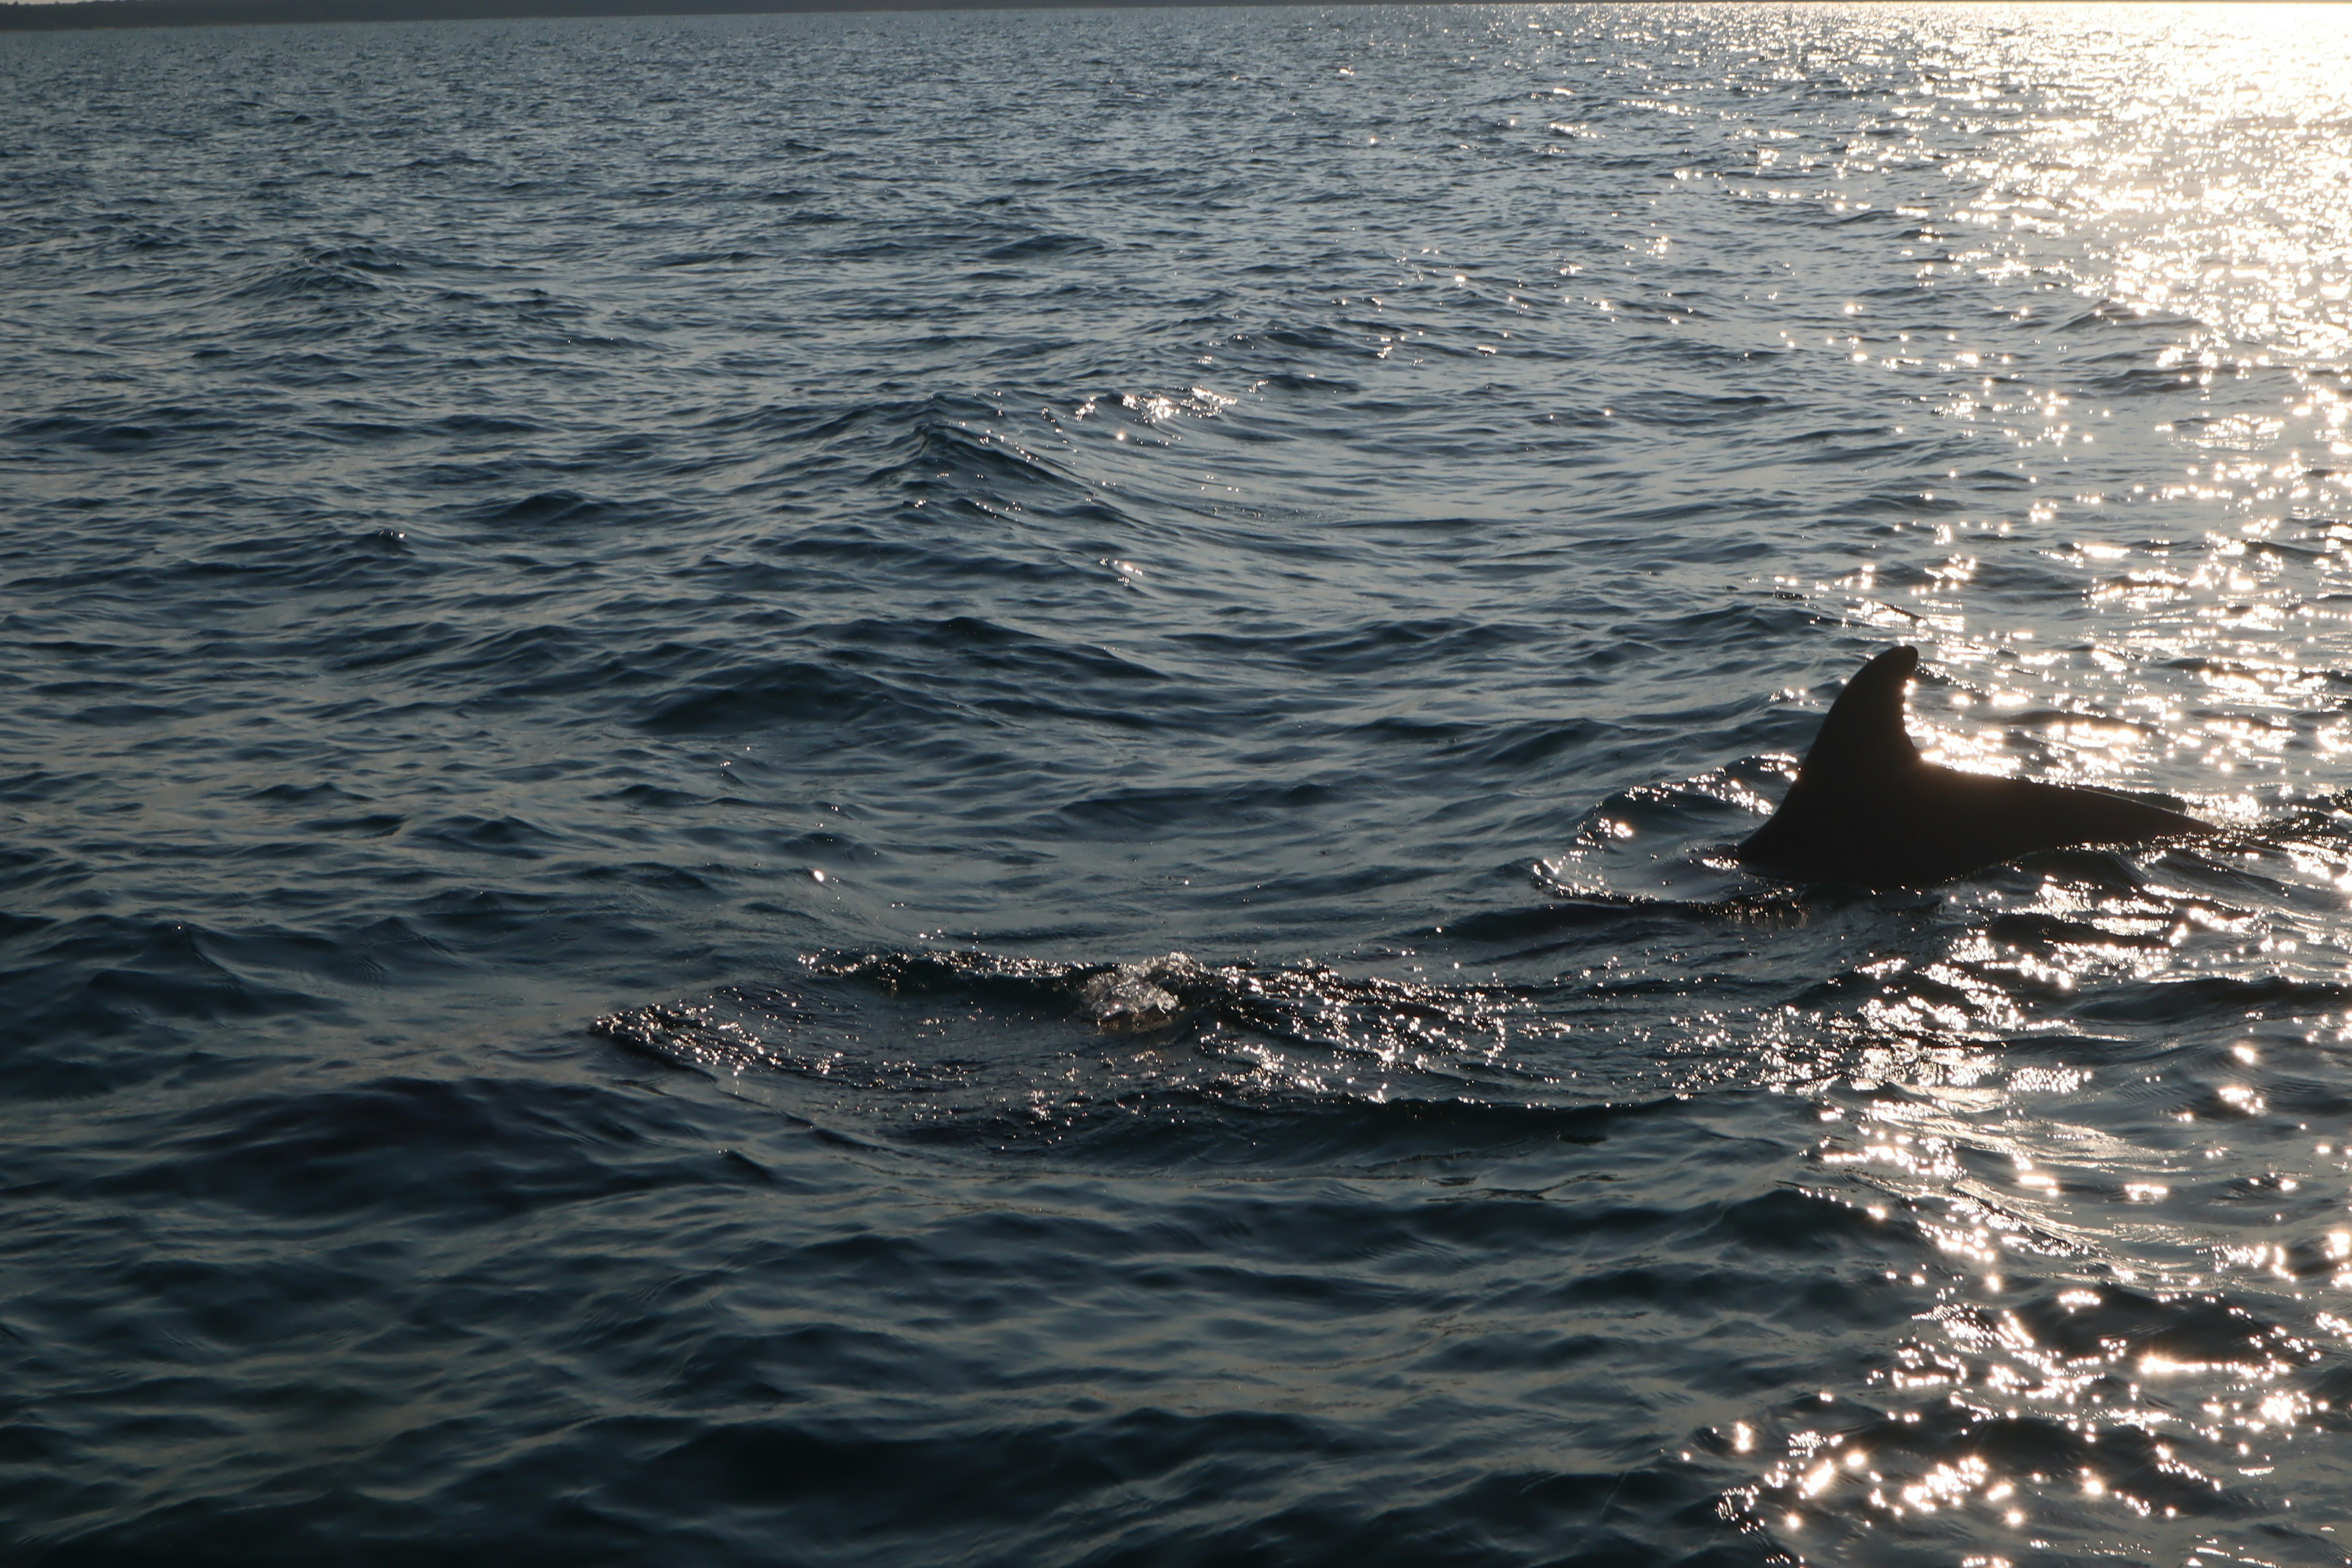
(953, 789)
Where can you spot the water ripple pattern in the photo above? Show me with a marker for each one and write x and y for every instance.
(955, 788)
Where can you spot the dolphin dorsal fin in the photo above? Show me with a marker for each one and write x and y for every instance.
(1863, 733)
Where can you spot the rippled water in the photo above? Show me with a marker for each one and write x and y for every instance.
(953, 788)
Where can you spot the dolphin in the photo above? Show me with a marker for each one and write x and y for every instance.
(1867, 808)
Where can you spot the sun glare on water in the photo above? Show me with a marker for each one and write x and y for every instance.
(2149, 396)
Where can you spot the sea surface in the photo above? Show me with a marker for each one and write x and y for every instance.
(954, 789)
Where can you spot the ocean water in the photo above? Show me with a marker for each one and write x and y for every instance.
(953, 788)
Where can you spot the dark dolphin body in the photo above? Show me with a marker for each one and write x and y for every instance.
(1867, 808)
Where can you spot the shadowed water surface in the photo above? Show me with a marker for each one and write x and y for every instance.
(954, 788)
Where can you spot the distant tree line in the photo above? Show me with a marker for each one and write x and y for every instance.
(85, 14)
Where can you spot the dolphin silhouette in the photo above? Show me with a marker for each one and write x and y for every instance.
(1867, 808)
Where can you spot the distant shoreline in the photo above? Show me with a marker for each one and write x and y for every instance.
(94, 15)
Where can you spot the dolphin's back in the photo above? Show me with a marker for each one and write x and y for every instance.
(1867, 808)
(1985, 821)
